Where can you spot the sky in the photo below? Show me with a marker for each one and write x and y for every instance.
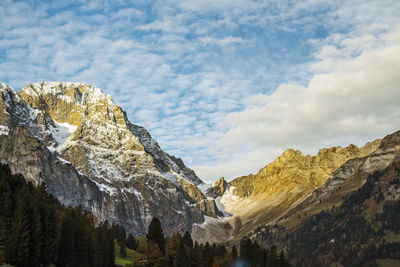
(227, 85)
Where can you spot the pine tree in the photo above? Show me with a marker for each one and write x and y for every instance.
(155, 257)
(131, 242)
(207, 256)
(221, 250)
(234, 252)
(7, 199)
(105, 239)
(3, 239)
(35, 240)
(187, 240)
(171, 247)
(111, 256)
(183, 256)
(198, 255)
(66, 247)
(155, 234)
(103, 245)
(82, 244)
(48, 222)
(49, 232)
(29, 232)
(119, 233)
(18, 239)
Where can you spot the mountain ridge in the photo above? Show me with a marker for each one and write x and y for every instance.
(349, 177)
(128, 178)
(263, 198)
(75, 139)
(357, 232)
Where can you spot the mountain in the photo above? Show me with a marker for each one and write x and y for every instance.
(346, 179)
(264, 198)
(353, 220)
(72, 137)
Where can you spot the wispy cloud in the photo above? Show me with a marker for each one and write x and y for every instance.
(223, 41)
(227, 85)
(354, 100)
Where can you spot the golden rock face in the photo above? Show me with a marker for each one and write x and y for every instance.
(101, 142)
(101, 136)
(191, 190)
(4, 117)
(71, 102)
(289, 179)
(265, 197)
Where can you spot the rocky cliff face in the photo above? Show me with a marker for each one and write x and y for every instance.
(280, 186)
(218, 188)
(346, 179)
(342, 235)
(291, 176)
(72, 136)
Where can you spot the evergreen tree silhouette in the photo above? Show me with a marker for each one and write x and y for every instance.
(155, 234)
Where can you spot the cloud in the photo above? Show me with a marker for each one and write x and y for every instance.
(355, 100)
(165, 25)
(127, 13)
(223, 41)
(226, 85)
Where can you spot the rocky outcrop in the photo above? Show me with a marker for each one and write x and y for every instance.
(72, 137)
(349, 177)
(277, 188)
(218, 188)
(28, 156)
(365, 216)
(290, 178)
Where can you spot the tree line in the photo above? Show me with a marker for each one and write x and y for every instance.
(36, 230)
(182, 251)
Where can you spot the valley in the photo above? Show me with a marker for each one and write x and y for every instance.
(73, 138)
(257, 133)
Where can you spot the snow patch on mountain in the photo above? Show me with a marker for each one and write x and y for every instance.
(62, 132)
(172, 176)
(105, 188)
(4, 130)
(204, 187)
(221, 207)
(63, 161)
(230, 199)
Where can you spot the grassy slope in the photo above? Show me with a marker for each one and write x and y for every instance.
(132, 256)
(330, 200)
(391, 237)
(388, 263)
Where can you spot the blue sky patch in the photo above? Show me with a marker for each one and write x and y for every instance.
(186, 70)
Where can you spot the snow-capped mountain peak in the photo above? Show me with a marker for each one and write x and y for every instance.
(79, 127)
